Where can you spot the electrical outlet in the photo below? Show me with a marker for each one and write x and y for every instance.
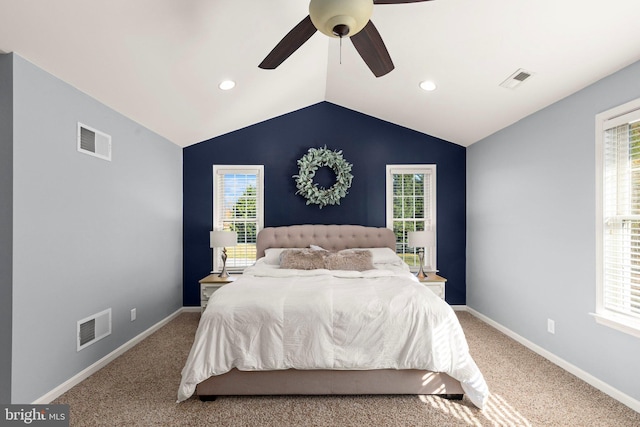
(133, 314)
(551, 326)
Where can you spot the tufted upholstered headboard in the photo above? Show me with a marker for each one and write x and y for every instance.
(330, 237)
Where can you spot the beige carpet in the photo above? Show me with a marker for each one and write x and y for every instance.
(139, 389)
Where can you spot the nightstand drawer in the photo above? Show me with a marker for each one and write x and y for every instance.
(435, 283)
(436, 288)
(208, 290)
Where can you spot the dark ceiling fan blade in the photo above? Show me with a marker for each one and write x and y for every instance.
(371, 48)
(397, 1)
(289, 44)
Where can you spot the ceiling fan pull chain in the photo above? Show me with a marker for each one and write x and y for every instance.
(340, 50)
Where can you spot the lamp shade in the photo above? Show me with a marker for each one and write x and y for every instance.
(421, 239)
(222, 239)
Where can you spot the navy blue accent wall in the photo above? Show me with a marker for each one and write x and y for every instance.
(366, 142)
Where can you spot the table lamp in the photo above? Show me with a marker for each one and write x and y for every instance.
(223, 239)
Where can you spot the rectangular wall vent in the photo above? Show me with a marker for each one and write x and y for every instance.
(516, 79)
(94, 142)
(94, 328)
(87, 332)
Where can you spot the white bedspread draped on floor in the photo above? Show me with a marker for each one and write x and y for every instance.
(271, 319)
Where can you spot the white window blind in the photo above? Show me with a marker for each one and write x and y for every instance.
(620, 290)
(411, 207)
(238, 206)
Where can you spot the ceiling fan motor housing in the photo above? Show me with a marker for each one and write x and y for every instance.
(326, 15)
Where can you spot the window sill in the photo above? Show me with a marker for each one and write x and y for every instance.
(619, 323)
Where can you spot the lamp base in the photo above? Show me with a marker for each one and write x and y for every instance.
(420, 274)
(223, 274)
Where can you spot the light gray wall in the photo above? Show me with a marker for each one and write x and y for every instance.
(88, 234)
(6, 221)
(531, 231)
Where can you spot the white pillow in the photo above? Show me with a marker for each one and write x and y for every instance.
(272, 255)
(384, 255)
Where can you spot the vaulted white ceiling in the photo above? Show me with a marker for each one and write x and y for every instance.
(159, 62)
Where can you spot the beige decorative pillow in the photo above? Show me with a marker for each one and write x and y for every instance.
(302, 259)
(349, 260)
(272, 255)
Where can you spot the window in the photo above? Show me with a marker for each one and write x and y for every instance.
(238, 206)
(618, 216)
(411, 206)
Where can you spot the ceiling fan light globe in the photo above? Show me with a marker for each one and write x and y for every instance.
(327, 14)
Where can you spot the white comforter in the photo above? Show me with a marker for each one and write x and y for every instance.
(271, 318)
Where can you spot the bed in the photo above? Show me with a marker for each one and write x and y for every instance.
(330, 328)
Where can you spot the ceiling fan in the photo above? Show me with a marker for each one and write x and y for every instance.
(339, 18)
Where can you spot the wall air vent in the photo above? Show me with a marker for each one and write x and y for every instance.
(94, 142)
(516, 79)
(94, 328)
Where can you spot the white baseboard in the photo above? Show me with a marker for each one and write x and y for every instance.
(583, 375)
(86, 373)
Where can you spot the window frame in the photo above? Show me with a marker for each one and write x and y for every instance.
(431, 258)
(258, 170)
(604, 316)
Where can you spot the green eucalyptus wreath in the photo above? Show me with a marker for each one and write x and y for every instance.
(309, 164)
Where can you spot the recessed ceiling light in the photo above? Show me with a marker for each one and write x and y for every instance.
(427, 85)
(227, 84)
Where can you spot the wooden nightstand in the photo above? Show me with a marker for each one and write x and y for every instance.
(209, 285)
(435, 283)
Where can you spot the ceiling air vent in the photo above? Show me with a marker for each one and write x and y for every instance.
(94, 142)
(516, 79)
